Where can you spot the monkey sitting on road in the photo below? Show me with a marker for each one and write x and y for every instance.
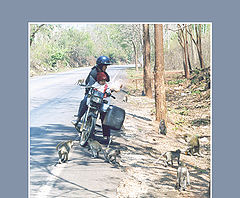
(193, 144)
(183, 178)
(170, 156)
(63, 149)
(162, 127)
(112, 154)
(79, 82)
(96, 147)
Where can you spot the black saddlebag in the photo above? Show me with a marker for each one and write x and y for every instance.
(114, 117)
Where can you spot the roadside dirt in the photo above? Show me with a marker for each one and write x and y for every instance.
(189, 111)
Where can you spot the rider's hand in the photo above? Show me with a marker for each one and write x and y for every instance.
(116, 87)
(108, 94)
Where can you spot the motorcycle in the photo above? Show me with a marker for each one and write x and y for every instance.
(96, 104)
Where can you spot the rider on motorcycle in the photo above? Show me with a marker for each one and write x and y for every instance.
(101, 66)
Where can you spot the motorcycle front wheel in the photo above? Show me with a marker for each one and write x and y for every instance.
(89, 129)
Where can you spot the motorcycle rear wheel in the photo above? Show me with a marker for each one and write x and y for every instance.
(88, 131)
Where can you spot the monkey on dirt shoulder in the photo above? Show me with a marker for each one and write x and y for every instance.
(170, 156)
(193, 144)
(63, 149)
(183, 178)
(162, 127)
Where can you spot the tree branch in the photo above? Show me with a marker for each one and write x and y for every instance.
(33, 34)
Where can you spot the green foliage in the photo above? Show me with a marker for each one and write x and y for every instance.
(56, 55)
(176, 82)
(180, 122)
(112, 40)
(176, 128)
(195, 91)
(59, 45)
(184, 111)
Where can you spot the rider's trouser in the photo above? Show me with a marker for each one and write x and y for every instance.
(82, 107)
(105, 129)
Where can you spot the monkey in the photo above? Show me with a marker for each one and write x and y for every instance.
(183, 178)
(170, 156)
(96, 147)
(162, 127)
(79, 82)
(125, 99)
(193, 144)
(112, 155)
(63, 149)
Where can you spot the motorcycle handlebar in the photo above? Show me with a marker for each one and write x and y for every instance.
(86, 86)
(113, 97)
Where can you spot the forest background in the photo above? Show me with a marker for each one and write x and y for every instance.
(59, 47)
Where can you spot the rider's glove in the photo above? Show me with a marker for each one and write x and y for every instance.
(108, 94)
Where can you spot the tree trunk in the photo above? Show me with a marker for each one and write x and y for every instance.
(200, 47)
(159, 75)
(185, 56)
(168, 37)
(147, 66)
(136, 56)
(198, 44)
(188, 57)
(194, 53)
(182, 41)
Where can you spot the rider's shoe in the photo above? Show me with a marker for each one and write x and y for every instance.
(75, 122)
(108, 139)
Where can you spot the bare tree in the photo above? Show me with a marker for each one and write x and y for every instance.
(146, 58)
(182, 39)
(187, 50)
(159, 77)
(136, 41)
(133, 36)
(136, 55)
(198, 42)
(168, 36)
(35, 30)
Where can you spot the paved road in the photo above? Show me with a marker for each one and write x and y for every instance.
(54, 99)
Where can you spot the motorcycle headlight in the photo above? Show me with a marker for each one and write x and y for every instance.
(96, 99)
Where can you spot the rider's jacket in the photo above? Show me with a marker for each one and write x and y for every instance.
(92, 77)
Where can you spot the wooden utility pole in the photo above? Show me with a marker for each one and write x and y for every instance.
(159, 76)
(146, 57)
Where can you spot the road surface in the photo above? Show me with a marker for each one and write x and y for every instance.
(54, 99)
